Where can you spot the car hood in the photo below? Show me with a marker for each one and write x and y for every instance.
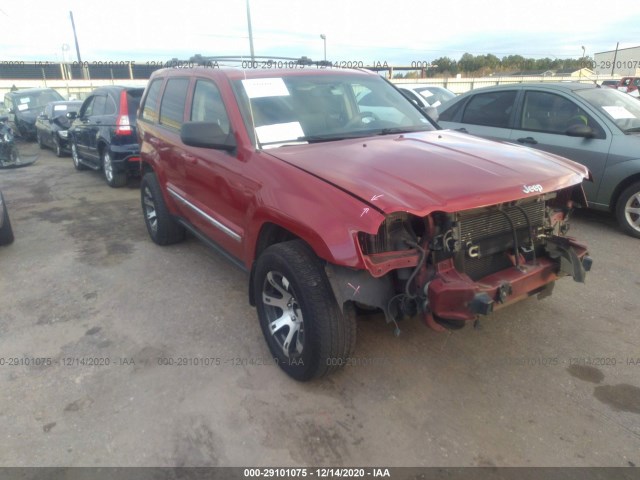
(429, 171)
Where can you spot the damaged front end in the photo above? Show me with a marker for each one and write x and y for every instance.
(452, 267)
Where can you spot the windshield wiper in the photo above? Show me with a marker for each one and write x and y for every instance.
(391, 131)
(329, 138)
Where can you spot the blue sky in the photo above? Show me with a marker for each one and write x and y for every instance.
(397, 32)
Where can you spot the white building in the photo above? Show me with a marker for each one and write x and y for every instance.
(625, 62)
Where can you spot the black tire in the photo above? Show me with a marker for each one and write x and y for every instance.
(323, 337)
(162, 227)
(628, 210)
(39, 140)
(6, 232)
(76, 158)
(114, 179)
(57, 148)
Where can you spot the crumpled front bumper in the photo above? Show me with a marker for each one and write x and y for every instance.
(453, 295)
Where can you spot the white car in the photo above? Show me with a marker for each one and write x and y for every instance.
(427, 95)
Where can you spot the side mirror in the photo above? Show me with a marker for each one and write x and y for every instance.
(72, 115)
(206, 135)
(580, 130)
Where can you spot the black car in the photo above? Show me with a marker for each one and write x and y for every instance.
(24, 106)
(6, 233)
(103, 133)
(52, 126)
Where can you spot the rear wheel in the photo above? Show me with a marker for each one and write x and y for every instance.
(162, 227)
(305, 330)
(628, 210)
(114, 179)
(6, 232)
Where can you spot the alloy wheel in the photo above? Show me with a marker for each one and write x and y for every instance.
(284, 316)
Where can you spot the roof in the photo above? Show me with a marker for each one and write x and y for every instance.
(239, 73)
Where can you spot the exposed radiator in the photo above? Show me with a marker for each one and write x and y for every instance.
(490, 231)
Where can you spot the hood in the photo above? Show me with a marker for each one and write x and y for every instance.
(429, 171)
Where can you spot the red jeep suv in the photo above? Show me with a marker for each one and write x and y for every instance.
(332, 190)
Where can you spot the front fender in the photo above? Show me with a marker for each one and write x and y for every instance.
(615, 176)
(325, 217)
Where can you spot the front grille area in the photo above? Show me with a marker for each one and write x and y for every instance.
(480, 225)
(490, 231)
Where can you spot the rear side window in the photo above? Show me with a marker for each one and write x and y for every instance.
(492, 109)
(173, 100)
(152, 102)
(110, 107)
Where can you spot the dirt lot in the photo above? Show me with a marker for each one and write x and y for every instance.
(547, 383)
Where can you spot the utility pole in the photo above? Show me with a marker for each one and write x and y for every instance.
(75, 37)
(250, 32)
(615, 56)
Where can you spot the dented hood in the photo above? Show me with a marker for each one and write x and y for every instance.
(429, 171)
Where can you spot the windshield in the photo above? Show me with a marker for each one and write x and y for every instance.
(36, 99)
(621, 108)
(316, 108)
(436, 96)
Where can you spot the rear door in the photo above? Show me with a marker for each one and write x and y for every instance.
(487, 114)
(88, 125)
(542, 124)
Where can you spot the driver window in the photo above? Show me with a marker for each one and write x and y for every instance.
(551, 113)
(207, 106)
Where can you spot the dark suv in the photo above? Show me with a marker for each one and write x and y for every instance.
(103, 133)
(24, 106)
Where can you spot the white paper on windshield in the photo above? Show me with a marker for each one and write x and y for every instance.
(425, 93)
(279, 132)
(618, 113)
(24, 106)
(25, 100)
(59, 107)
(265, 87)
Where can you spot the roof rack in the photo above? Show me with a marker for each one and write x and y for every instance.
(249, 62)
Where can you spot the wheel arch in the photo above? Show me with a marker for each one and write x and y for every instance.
(620, 188)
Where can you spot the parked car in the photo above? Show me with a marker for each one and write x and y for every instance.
(326, 204)
(630, 85)
(610, 83)
(428, 95)
(52, 126)
(24, 106)
(6, 232)
(598, 127)
(103, 133)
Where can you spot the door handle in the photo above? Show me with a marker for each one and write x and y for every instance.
(189, 158)
(529, 140)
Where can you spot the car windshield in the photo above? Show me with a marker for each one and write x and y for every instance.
(285, 110)
(622, 109)
(36, 99)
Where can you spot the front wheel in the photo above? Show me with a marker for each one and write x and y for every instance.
(114, 179)
(76, 158)
(39, 140)
(57, 147)
(6, 232)
(305, 330)
(628, 210)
